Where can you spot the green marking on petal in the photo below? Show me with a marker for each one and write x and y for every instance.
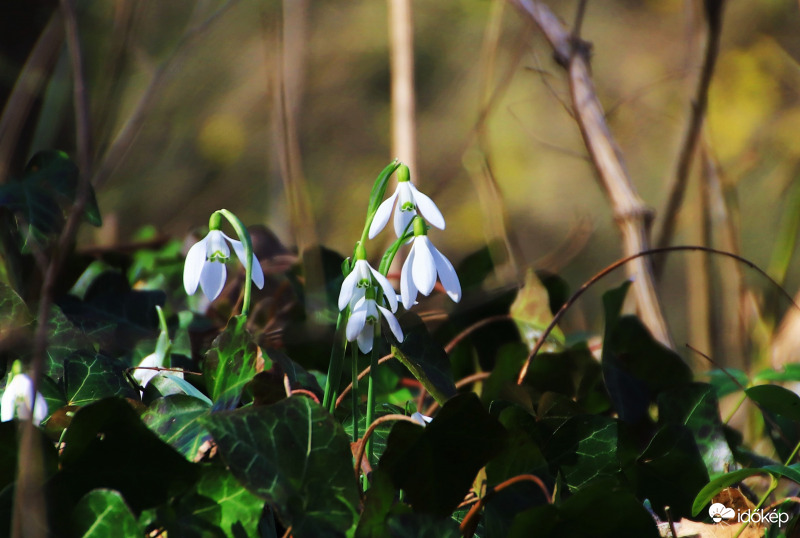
(408, 206)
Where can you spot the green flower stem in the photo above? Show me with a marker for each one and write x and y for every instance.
(335, 365)
(354, 391)
(371, 387)
(244, 237)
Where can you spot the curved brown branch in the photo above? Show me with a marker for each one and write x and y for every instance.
(691, 136)
(619, 263)
(463, 382)
(470, 521)
(361, 376)
(362, 443)
(631, 214)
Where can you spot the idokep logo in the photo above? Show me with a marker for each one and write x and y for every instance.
(719, 511)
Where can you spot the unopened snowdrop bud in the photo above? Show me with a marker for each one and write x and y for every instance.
(409, 201)
(422, 266)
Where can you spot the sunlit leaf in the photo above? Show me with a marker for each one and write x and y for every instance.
(240, 509)
(174, 420)
(103, 512)
(230, 364)
(279, 452)
(531, 312)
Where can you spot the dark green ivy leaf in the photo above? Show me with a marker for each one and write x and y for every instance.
(297, 457)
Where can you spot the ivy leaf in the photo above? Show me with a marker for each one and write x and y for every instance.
(781, 410)
(436, 465)
(280, 452)
(174, 419)
(425, 359)
(230, 364)
(584, 449)
(43, 196)
(240, 509)
(103, 512)
(636, 367)
(696, 407)
(89, 377)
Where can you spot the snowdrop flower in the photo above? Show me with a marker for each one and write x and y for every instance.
(423, 264)
(160, 358)
(409, 200)
(16, 400)
(205, 264)
(359, 280)
(363, 316)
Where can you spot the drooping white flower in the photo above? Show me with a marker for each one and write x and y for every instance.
(16, 401)
(423, 264)
(364, 314)
(409, 200)
(205, 264)
(421, 419)
(360, 278)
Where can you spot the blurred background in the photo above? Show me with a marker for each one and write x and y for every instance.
(188, 116)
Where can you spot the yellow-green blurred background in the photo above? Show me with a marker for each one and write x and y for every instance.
(209, 139)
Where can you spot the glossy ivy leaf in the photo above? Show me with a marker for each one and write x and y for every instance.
(103, 512)
(114, 315)
(600, 511)
(696, 407)
(89, 377)
(436, 465)
(230, 364)
(531, 312)
(174, 420)
(108, 446)
(584, 449)
(43, 197)
(670, 471)
(425, 359)
(64, 339)
(636, 368)
(279, 452)
(240, 509)
(712, 488)
(781, 410)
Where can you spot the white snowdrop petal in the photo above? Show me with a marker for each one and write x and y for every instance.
(447, 274)
(365, 340)
(408, 291)
(195, 260)
(358, 317)
(382, 216)
(394, 325)
(428, 208)
(423, 271)
(212, 279)
(348, 287)
(388, 290)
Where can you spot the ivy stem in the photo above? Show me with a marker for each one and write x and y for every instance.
(244, 237)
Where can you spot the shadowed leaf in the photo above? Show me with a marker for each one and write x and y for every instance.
(103, 512)
(230, 364)
(174, 420)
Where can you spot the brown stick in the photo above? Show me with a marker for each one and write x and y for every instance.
(363, 441)
(691, 136)
(630, 212)
(361, 376)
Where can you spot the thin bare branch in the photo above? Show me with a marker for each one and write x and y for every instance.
(691, 136)
(630, 212)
